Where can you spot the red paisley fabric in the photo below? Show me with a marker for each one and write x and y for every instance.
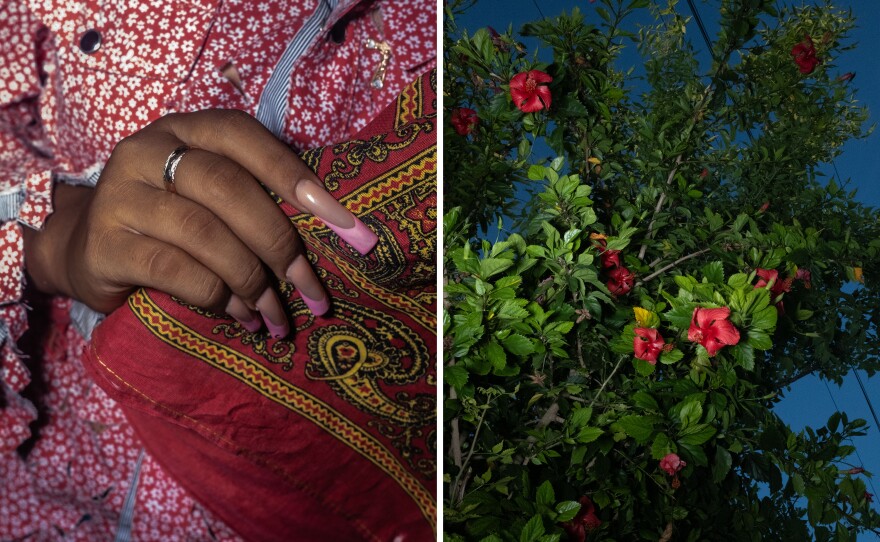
(329, 434)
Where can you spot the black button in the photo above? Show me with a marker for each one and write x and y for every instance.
(90, 42)
(337, 33)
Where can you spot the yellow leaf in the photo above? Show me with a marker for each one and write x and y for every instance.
(593, 160)
(643, 316)
(857, 273)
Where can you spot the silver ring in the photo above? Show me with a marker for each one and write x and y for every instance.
(171, 167)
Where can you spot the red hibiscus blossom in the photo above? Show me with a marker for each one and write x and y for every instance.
(610, 259)
(712, 329)
(585, 521)
(848, 76)
(805, 276)
(648, 344)
(779, 286)
(804, 54)
(672, 464)
(464, 120)
(527, 94)
(620, 281)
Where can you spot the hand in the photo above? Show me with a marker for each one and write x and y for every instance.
(212, 243)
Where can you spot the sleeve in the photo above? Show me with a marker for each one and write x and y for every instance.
(25, 199)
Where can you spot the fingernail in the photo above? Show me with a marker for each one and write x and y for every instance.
(301, 275)
(359, 236)
(272, 313)
(318, 307)
(336, 216)
(248, 319)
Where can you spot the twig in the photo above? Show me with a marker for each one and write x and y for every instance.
(666, 268)
(456, 435)
(659, 206)
(455, 487)
(607, 380)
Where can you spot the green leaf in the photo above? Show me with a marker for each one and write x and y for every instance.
(797, 482)
(567, 510)
(536, 172)
(638, 427)
(533, 530)
(581, 417)
(714, 272)
(456, 376)
(690, 413)
(589, 434)
(546, 496)
(694, 454)
(645, 400)
(685, 282)
(674, 355)
(759, 340)
(643, 368)
(518, 345)
(662, 446)
(723, 462)
(765, 319)
(493, 266)
(744, 355)
(738, 280)
(496, 355)
(696, 434)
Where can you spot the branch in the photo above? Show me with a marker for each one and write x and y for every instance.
(666, 268)
(659, 206)
(607, 380)
(456, 435)
(455, 486)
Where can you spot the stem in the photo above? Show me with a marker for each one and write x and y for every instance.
(455, 486)
(659, 206)
(607, 380)
(666, 268)
(456, 435)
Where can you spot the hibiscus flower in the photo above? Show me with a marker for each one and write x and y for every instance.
(528, 95)
(712, 329)
(804, 54)
(648, 344)
(765, 276)
(585, 521)
(620, 281)
(672, 464)
(464, 120)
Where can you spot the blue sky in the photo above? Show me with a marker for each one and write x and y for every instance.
(810, 401)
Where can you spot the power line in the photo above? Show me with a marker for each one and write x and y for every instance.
(539, 9)
(867, 399)
(700, 25)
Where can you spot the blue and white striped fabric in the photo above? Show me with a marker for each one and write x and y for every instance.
(272, 108)
(126, 518)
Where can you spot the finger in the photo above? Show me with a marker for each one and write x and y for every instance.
(231, 193)
(203, 235)
(167, 268)
(244, 140)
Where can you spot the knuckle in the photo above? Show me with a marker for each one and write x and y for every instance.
(200, 227)
(232, 121)
(251, 282)
(281, 244)
(220, 177)
(214, 294)
(160, 266)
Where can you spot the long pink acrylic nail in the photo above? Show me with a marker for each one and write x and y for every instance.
(318, 308)
(339, 219)
(243, 314)
(273, 315)
(359, 236)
